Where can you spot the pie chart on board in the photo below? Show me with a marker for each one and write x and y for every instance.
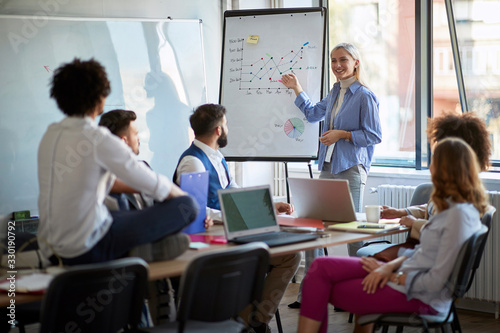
(294, 127)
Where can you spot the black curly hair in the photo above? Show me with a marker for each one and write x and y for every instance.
(79, 86)
(466, 126)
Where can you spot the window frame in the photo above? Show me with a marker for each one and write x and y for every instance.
(458, 64)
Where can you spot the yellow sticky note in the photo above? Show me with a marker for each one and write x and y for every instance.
(253, 39)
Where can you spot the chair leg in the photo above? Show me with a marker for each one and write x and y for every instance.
(351, 315)
(325, 250)
(278, 321)
(446, 328)
(455, 325)
(399, 329)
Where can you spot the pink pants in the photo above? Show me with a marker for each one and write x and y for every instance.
(338, 280)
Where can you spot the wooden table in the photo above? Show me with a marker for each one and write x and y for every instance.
(170, 268)
(162, 269)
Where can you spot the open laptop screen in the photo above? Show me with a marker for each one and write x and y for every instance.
(248, 210)
(324, 199)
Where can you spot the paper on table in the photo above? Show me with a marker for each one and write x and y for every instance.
(32, 283)
(389, 221)
(362, 217)
(198, 245)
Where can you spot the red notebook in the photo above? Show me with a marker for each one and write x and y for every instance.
(207, 238)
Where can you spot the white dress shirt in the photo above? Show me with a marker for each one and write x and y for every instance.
(77, 164)
(191, 163)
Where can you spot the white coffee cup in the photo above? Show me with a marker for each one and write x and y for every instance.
(372, 213)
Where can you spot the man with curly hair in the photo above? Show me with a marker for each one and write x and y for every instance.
(78, 164)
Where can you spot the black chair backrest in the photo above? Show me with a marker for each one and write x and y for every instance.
(104, 297)
(469, 254)
(422, 194)
(486, 221)
(218, 285)
(488, 216)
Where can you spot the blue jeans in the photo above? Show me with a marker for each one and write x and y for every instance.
(137, 227)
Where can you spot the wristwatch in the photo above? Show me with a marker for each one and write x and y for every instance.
(398, 275)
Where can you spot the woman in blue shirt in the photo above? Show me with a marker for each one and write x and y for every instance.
(352, 128)
(352, 124)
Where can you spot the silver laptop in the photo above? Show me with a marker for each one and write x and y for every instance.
(248, 215)
(324, 199)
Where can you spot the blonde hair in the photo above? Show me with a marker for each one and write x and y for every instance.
(456, 175)
(353, 51)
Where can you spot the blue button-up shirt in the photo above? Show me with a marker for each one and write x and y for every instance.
(358, 115)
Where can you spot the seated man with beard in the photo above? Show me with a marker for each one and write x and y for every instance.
(210, 128)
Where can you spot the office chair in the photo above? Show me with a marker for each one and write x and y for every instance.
(217, 286)
(486, 221)
(105, 297)
(420, 196)
(459, 279)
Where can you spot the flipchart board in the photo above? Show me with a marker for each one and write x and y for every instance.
(259, 46)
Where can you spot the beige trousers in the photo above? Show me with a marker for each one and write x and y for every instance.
(283, 268)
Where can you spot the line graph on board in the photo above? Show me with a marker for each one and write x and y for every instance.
(258, 48)
(264, 72)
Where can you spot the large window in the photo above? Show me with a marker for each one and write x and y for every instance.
(478, 34)
(445, 87)
(384, 32)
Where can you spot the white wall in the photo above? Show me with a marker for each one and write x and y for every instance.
(209, 11)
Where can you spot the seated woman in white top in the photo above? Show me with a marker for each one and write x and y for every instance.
(414, 283)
